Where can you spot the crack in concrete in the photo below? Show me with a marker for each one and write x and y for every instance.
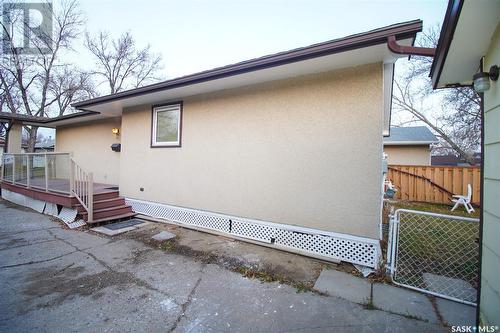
(135, 279)
(367, 325)
(29, 244)
(439, 316)
(5, 234)
(84, 251)
(185, 305)
(38, 261)
(114, 274)
(49, 259)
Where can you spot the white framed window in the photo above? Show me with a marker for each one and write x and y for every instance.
(167, 125)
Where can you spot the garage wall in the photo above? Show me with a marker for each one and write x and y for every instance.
(408, 155)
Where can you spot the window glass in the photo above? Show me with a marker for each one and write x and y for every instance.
(166, 122)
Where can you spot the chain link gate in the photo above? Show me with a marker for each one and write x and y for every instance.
(434, 253)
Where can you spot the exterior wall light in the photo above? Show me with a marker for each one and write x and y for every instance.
(482, 79)
(115, 131)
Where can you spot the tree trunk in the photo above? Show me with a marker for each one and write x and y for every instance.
(32, 138)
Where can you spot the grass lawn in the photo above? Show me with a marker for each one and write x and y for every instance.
(434, 208)
(440, 246)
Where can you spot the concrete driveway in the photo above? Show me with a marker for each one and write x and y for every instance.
(57, 280)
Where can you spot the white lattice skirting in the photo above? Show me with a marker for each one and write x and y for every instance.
(317, 243)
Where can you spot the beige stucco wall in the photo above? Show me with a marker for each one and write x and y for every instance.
(408, 155)
(90, 144)
(305, 151)
(490, 275)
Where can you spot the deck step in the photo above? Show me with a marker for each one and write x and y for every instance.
(106, 195)
(98, 197)
(116, 217)
(109, 212)
(100, 204)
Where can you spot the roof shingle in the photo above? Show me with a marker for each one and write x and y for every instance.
(410, 135)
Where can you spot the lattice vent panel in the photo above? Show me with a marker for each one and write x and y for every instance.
(181, 215)
(363, 251)
(358, 252)
(255, 231)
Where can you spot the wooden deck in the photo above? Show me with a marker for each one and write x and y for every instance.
(57, 187)
(108, 204)
(60, 186)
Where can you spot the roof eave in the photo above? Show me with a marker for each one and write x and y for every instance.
(447, 31)
(379, 36)
(42, 121)
(409, 143)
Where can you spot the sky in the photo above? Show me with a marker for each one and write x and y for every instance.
(196, 35)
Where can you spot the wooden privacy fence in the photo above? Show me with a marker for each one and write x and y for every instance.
(435, 184)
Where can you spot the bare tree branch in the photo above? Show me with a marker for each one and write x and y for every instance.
(28, 81)
(120, 64)
(456, 121)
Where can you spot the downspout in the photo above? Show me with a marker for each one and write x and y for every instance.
(393, 45)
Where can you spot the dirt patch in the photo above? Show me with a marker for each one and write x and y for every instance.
(250, 260)
(70, 281)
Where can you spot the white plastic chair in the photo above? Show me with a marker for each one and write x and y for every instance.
(464, 200)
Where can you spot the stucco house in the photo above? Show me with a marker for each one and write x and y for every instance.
(468, 53)
(284, 150)
(409, 145)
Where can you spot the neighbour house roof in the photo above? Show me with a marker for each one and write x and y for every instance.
(413, 136)
(467, 30)
(363, 48)
(47, 144)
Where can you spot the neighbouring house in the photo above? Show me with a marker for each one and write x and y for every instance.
(453, 160)
(468, 53)
(285, 150)
(409, 145)
(46, 145)
(3, 148)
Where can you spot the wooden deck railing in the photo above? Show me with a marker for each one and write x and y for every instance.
(82, 187)
(51, 172)
(434, 184)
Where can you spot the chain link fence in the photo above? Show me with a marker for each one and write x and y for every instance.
(434, 253)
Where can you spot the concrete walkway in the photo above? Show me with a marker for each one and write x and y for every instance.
(58, 280)
(395, 300)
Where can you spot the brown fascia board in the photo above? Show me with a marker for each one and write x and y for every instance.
(403, 30)
(447, 31)
(36, 120)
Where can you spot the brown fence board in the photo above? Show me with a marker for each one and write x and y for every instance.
(435, 184)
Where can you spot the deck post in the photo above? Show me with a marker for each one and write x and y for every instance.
(90, 195)
(28, 172)
(13, 169)
(71, 176)
(46, 174)
(2, 168)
